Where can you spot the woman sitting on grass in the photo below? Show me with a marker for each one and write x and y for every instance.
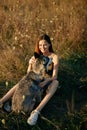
(43, 46)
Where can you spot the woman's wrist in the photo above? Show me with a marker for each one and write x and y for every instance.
(49, 79)
(53, 78)
(30, 62)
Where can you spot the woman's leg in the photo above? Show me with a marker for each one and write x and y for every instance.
(8, 95)
(50, 93)
(34, 115)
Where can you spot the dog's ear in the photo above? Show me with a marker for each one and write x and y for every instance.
(36, 55)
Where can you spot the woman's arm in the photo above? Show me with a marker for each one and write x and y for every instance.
(55, 67)
(55, 71)
(31, 61)
(29, 68)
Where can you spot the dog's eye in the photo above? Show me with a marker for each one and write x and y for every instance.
(44, 59)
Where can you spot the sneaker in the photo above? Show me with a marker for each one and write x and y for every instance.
(7, 107)
(33, 117)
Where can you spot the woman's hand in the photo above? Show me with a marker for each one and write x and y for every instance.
(32, 60)
(42, 84)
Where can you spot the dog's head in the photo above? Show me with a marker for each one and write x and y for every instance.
(42, 62)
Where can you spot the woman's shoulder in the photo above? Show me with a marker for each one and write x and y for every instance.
(53, 56)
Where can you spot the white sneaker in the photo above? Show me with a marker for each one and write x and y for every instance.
(7, 107)
(33, 117)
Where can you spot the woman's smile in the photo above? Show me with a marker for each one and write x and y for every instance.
(44, 46)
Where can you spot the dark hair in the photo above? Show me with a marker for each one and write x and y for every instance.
(46, 38)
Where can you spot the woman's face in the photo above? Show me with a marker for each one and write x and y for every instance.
(44, 46)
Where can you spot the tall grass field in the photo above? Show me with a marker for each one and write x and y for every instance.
(65, 21)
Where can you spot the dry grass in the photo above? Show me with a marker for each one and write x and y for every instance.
(22, 21)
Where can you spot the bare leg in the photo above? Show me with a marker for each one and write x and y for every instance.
(34, 114)
(8, 95)
(48, 96)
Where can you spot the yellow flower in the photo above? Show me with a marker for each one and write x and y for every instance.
(6, 83)
(16, 38)
(23, 97)
(3, 121)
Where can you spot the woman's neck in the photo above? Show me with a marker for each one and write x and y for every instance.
(47, 53)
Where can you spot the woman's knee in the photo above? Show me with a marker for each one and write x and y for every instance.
(55, 83)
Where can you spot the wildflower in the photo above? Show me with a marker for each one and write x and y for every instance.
(21, 45)
(16, 38)
(6, 83)
(3, 121)
(23, 97)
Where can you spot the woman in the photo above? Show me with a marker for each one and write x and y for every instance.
(43, 46)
